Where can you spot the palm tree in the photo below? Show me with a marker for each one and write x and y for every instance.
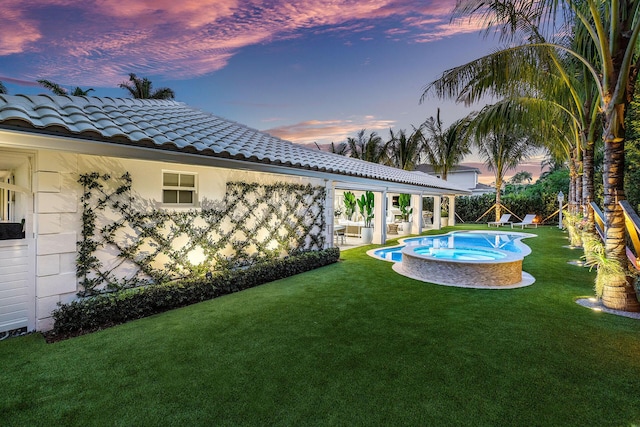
(3, 88)
(502, 146)
(405, 151)
(59, 90)
(78, 91)
(445, 148)
(370, 149)
(141, 88)
(606, 45)
(521, 178)
(342, 148)
(535, 72)
(53, 87)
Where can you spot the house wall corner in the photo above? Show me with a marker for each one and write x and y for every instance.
(56, 217)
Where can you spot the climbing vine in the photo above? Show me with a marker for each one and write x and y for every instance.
(126, 244)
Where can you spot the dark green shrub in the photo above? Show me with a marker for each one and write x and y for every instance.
(93, 313)
(471, 208)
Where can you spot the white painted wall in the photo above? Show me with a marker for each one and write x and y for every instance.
(58, 211)
(464, 179)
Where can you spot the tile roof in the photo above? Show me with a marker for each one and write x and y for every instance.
(175, 126)
(426, 168)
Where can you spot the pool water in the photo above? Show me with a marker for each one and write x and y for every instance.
(466, 243)
(461, 254)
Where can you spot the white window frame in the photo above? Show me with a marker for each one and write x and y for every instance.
(179, 188)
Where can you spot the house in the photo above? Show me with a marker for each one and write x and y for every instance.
(462, 176)
(103, 193)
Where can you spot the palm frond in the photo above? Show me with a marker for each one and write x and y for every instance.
(53, 87)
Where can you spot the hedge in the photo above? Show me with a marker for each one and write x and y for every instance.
(470, 208)
(94, 313)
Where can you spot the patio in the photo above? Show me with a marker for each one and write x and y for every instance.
(348, 344)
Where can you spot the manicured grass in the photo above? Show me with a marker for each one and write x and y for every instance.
(348, 344)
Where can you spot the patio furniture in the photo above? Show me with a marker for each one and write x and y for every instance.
(352, 228)
(528, 220)
(393, 228)
(504, 220)
(339, 234)
(427, 218)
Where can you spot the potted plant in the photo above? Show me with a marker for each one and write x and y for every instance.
(444, 218)
(404, 200)
(349, 204)
(365, 204)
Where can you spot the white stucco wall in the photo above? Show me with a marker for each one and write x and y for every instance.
(464, 179)
(58, 210)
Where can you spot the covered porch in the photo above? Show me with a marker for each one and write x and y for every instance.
(388, 220)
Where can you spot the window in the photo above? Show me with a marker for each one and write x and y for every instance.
(178, 188)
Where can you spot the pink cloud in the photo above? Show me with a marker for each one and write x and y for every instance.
(16, 31)
(98, 42)
(531, 165)
(327, 131)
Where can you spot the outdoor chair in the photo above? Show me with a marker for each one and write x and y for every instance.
(393, 228)
(504, 220)
(528, 220)
(339, 232)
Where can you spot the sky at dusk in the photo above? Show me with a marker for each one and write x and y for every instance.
(307, 71)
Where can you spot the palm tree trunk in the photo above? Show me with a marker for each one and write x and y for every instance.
(578, 204)
(618, 292)
(498, 202)
(573, 174)
(588, 186)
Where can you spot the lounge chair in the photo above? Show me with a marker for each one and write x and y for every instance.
(528, 220)
(504, 220)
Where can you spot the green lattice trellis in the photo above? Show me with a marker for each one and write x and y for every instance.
(145, 245)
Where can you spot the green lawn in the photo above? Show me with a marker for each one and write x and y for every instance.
(348, 344)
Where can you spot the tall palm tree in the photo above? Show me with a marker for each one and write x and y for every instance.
(369, 148)
(610, 30)
(533, 71)
(59, 90)
(3, 88)
(502, 146)
(405, 151)
(445, 148)
(141, 88)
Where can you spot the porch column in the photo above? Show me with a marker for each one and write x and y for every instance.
(379, 219)
(452, 210)
(437, 205)
(416, 216)
(328, 213)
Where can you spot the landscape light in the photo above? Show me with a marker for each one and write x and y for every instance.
(560, 201)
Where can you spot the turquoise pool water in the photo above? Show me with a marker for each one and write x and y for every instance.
(468, 245)
(461, 254)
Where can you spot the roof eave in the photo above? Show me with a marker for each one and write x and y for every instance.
(29, 137)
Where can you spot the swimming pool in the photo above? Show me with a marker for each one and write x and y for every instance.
(475, 259)
(509, 242)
